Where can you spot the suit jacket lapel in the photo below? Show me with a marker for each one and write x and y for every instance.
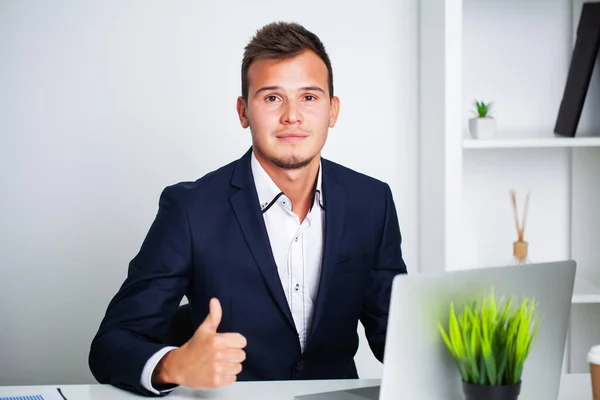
(335, 206)
(247, 211)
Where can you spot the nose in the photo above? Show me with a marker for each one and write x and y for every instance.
(291, 113)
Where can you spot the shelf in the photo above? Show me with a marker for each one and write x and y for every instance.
(531, 142)
(585, 292)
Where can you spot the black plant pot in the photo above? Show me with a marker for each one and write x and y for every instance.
(485, 392)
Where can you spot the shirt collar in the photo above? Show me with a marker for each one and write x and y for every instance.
(268, 191)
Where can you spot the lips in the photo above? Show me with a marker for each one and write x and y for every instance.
(292, 136)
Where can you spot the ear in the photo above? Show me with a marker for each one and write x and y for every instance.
(334, 110)
(242, 110)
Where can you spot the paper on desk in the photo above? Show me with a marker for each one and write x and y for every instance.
(29, 394)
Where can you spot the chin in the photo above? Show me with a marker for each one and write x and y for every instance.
(292, 162)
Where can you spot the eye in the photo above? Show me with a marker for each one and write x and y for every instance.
(310, 97)
(271, 99)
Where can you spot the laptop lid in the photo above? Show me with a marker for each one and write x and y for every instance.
(417, 364)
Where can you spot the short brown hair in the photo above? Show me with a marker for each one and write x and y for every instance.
(281, 40)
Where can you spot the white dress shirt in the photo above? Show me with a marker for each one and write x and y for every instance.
(297, 249)
(297, 246)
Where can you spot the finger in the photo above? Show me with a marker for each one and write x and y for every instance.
(213, 319)
(230, 355)
(220, 379)
(230, 340)
(215, 312)
(227, 379)
(228, 368)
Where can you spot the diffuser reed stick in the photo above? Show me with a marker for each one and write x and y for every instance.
(520, 246)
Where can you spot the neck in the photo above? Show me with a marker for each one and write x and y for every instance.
(297, 184)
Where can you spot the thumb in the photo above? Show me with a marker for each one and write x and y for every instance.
(213, 319)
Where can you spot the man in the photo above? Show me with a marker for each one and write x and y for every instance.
(280, 253)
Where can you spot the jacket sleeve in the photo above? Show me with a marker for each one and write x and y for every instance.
(139, 314)
(388, 264)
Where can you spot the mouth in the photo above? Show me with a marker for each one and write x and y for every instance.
(292, 137)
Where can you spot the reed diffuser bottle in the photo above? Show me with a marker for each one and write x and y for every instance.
(520, 247)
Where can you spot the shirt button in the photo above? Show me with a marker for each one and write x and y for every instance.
(299, 366)
(296, 239)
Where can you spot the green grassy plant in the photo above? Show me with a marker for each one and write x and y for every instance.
(490, 340)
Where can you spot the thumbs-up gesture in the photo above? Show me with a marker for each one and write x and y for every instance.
(208, 360)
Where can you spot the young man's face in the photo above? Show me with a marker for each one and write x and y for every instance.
(289, 110)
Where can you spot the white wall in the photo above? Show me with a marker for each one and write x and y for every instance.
(103, 104)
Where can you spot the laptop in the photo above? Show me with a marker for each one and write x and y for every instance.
(417, 364)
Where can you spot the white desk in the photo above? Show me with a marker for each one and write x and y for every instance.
(573, 387)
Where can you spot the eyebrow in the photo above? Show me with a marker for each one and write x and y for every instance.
(304, 88)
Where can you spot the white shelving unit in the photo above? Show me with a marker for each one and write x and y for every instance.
(530, 143)
(585, 293)
(515, 53)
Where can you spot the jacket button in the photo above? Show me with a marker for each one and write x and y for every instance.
(299, 366)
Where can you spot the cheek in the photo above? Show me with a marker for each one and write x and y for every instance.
(319, 117)
(264, 119)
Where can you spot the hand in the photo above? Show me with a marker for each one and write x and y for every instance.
(208, 360)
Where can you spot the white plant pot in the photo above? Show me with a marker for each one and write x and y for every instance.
(482, 128)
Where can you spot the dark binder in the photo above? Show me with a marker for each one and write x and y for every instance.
(583, 59)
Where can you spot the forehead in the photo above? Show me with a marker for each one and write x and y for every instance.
(304, 69)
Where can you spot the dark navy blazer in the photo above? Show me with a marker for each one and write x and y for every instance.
(209, 240)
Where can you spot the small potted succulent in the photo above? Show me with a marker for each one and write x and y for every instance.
(490, 341)
(483, 125)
